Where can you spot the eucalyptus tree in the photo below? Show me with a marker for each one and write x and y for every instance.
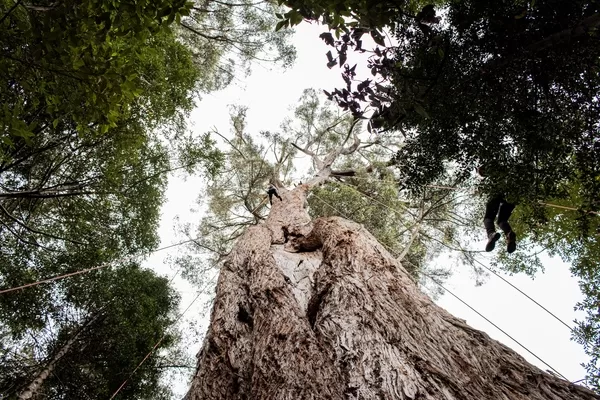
(318, 308)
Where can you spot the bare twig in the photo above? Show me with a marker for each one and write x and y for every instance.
(231, 144)
(351, 149)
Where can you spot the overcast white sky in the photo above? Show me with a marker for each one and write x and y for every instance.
(270, 93)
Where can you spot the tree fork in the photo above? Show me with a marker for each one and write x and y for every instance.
(320, 310)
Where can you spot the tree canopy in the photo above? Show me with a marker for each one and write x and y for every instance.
(228, 37)
(511, 86)
(107, 322)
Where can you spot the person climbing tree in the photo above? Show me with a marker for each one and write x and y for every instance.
(498, 206)
(272, 190)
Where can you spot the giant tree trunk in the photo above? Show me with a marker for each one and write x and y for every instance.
(320, 310)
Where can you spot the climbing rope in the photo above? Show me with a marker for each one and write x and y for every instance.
(525, 294)
(493, 324)
(83, 271)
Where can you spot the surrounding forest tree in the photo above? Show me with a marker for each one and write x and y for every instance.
(319, 309)
(512, 86)
(228, 36)
(559, 234)
(108, 321)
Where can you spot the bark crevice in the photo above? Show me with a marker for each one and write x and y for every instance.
(314, 305)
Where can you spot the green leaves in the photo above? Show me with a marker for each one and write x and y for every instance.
(227, 39)
(95, 200)
(294, 16)
(282, 24)
(75, 60)
(377, 37)
(121, 315)
(93, 91)
(289, 19)
(340, 16)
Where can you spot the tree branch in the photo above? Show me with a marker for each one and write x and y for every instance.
(10, 11)
(33, 243)
(354, 146)
(305, 151)
(175, 366)
(349, 172)
(218, 38)
(40, 8)
(369, 144)
(231, 144)
(19, 222)
(320, 164)
(43, 194)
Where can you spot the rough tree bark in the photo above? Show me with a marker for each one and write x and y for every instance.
(320, 310)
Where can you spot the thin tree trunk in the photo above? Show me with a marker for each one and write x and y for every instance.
(37, 383)
(320, 310)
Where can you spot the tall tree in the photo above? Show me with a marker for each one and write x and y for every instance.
(319, 309)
